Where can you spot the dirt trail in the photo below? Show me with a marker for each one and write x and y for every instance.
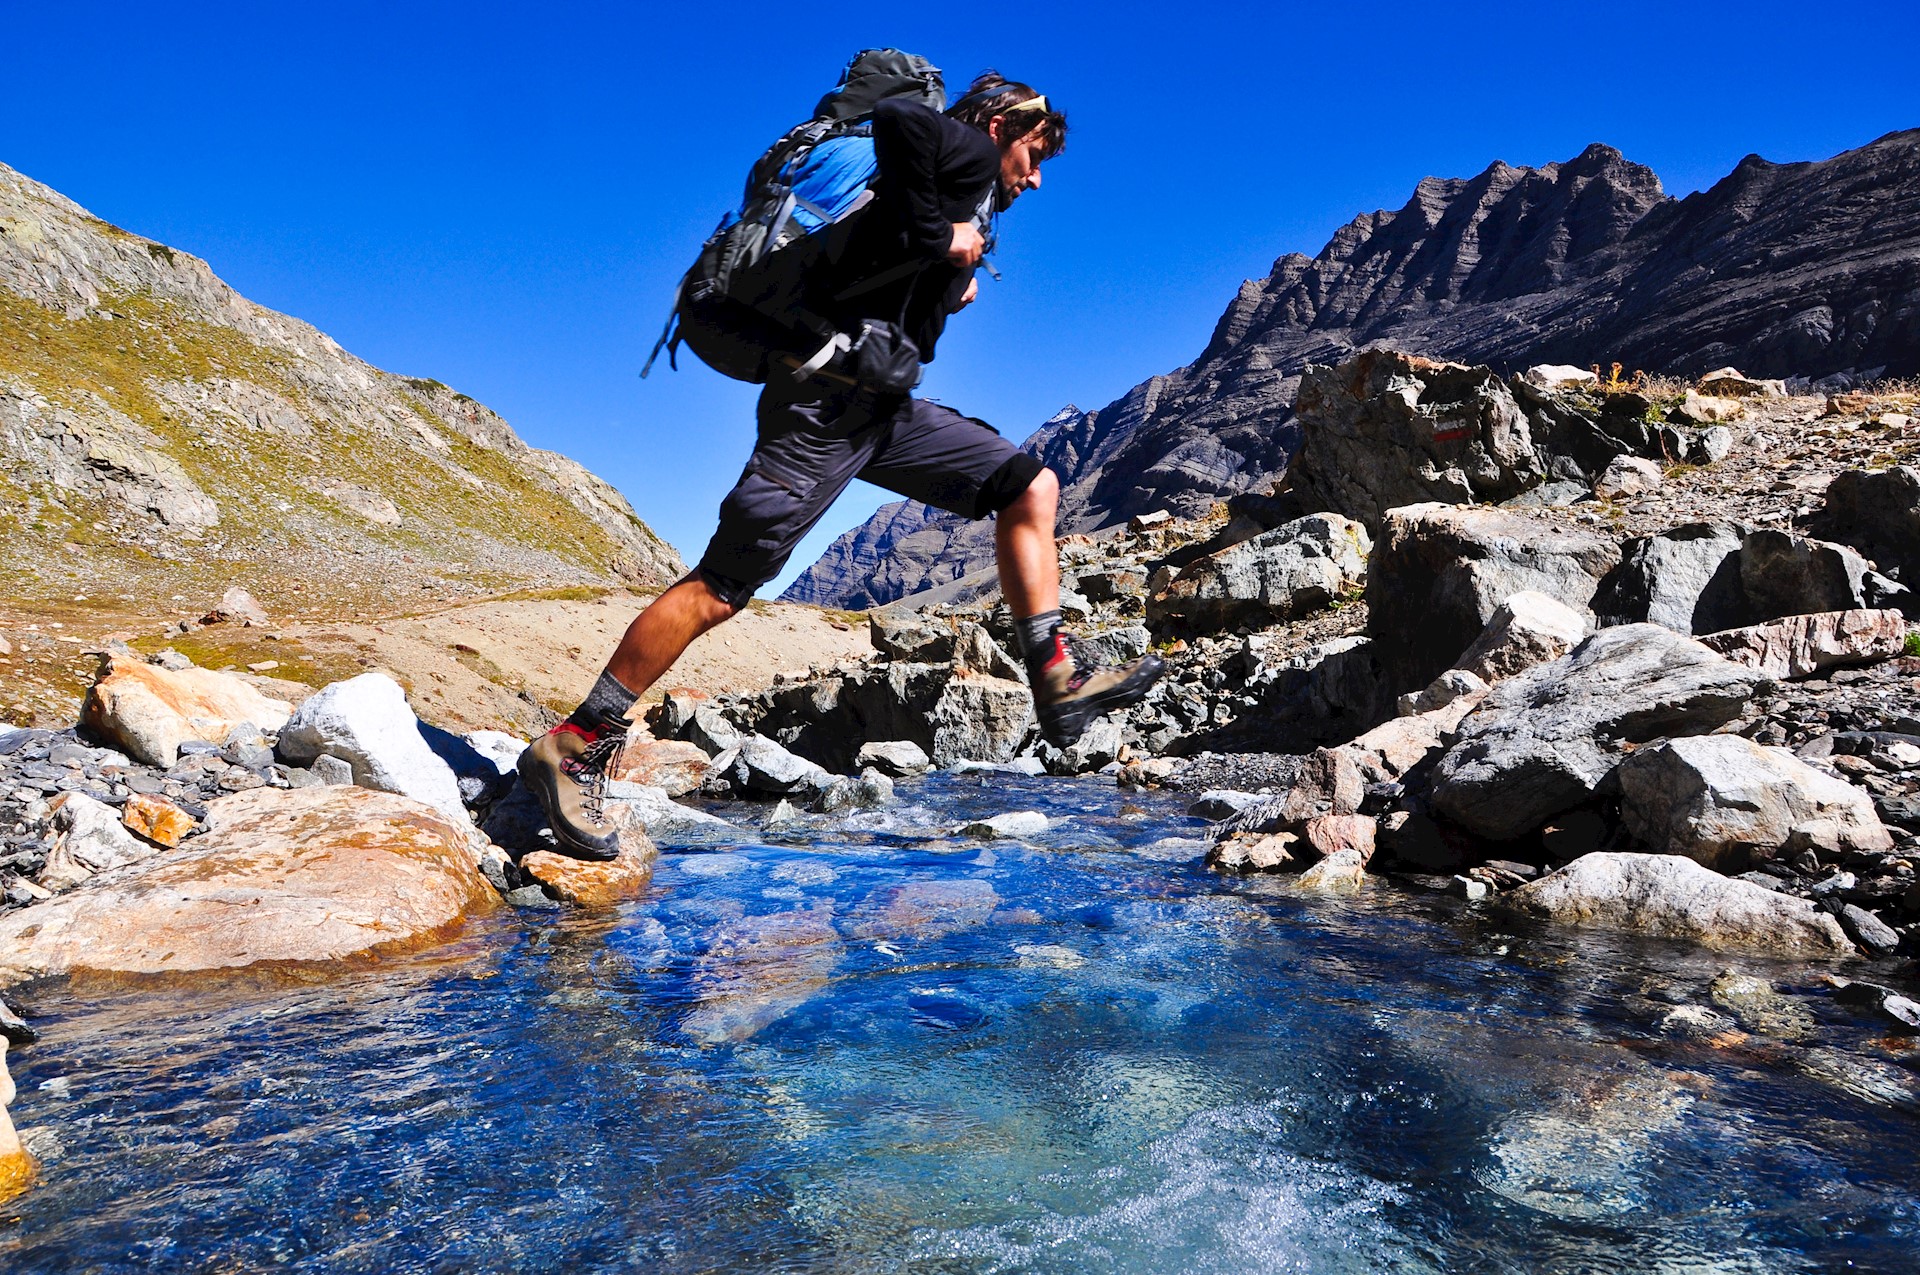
(502, 664)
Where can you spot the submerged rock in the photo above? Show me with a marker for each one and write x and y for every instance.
(757, 969)
(308, 875)
(17, 1168)
(1666, 896)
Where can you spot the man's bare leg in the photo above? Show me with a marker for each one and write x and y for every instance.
(1066, 696)
(661, 634)
(566, 768)
(1025, 551)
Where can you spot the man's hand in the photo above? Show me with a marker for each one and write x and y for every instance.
(972, 293)
(967, 245)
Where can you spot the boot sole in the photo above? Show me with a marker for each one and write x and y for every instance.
(1071, 722)
(541, 786)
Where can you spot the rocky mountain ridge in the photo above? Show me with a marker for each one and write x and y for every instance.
(158, 431)
(1807, 269)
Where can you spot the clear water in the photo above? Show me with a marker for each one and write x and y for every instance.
(873, 1048)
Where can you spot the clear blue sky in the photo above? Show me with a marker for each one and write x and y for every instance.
(502, 197)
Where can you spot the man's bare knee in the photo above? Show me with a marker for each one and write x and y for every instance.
(1039, 500)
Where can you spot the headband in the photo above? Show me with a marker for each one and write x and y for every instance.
(1031, 104)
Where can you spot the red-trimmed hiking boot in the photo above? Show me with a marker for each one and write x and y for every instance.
(1070, 690)
(567, 770)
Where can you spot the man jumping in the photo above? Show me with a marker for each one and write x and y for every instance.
(936, 171)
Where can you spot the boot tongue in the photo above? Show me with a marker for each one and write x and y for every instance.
(1051, 655)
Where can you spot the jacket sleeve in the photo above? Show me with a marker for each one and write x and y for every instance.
(906, 145)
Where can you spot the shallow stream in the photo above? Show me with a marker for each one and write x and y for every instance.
(863, 1045)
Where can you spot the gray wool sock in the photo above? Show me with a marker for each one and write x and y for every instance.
(1036, 633)
(604, 710)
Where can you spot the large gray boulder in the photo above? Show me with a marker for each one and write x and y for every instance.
(1710, 577)
(1387, 429)
(1291, 571)
(366, 723)
(1878, 513)
(1686, 579)
(1724, 801)
(1438, 573)
(1542, 742)
(761, 767)
(1784, 574)
(980, 719)
(1666, 896)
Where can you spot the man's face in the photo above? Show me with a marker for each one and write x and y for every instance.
(1020, 158)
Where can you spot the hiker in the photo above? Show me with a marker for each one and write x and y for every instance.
(820, 429)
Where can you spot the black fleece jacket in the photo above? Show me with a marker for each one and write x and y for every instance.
(934, 172)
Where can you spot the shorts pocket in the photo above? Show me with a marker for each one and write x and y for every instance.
(792, 473)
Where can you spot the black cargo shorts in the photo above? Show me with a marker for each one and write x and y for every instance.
(817, 437)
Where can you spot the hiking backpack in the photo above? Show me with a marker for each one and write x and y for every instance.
(741, 303)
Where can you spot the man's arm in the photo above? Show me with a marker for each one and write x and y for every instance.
(906, 141)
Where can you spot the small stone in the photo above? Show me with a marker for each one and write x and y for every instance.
(329, 769)
(898, 758)
(156, 819)
(1468, 888)
(1342, 872)
(1628, 476)
(531, 896)
(1019, 823)
(871, 789)
(1221, 803)
(237, 606)
(1253, 852)
(1866, 929)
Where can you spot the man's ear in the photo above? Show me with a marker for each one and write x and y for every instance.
(997, 129)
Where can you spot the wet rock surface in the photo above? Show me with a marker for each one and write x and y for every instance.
(316, 875)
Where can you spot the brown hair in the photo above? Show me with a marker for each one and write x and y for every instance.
(993, 94)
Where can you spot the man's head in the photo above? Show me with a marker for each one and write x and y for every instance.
(1021, 123)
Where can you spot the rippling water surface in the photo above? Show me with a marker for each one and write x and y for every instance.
(860, 1045)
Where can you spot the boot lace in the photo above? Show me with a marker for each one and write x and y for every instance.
(1085, 665)
(589, 770)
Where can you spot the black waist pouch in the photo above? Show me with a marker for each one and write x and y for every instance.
(882, 357)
